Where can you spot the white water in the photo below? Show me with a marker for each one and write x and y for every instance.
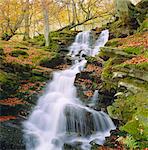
(60, 117)
(82, 44)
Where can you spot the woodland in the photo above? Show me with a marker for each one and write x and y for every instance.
(35, 37)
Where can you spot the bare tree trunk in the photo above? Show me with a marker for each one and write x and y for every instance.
(68, 13)
(26, 19)
(46, 22)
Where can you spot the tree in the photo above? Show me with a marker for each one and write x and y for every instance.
(46, 21)
(126, 11)
(83, 11)
(26, 19)
(12, 21)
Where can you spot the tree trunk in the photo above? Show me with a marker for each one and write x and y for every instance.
(26, 19)
(46, 22)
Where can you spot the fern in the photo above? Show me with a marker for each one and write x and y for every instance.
(130, 142)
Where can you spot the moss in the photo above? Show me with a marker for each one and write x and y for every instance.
(113, 43)
(107, 70)
(53, 47)
(109, 86)
(145, 53)
(3, 76)
(133, 50)
(37, 78)
(9, 84)
(141, 66)
(91, 59)
(38, 40)
(137, 83)
(138, 126)
(21, 47)
(54, 60)
(17, 53)
(1, 51)
(144, 26)
(132, 111)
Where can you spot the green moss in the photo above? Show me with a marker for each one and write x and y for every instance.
(138, 125)
(107, 70)
(91, 59)
(37, 79)
(133, 50)
(3, 76)
(21, 47)
(17, 53)
(135, 82)
(141, 66)
(127, 106)
(144, 26)
(1, 51)
(113, 43)
(53, 47)
(9, 84)
(51, 61)
(109, 86)
(145, 54)
(132, 111)
(38, 40)
(130, 142)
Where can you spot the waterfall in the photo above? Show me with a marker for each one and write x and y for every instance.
(83, 44)
(60, 117)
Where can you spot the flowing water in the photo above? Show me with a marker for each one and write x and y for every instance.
(60, 117)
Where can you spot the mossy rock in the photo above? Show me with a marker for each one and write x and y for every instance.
(37, 79)
(22, 71)
(17, 53)
(53, 47)
(9, 84)
(53, 61)
(144, 26)
(139, 71)
(112, 52)
(138, 125)
(133, 50)
(22, 47)
(124, 107)
(17, 67)
(37, 40)
(114, 43)
(1, 51)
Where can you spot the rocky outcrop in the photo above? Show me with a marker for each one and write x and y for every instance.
(125, 77)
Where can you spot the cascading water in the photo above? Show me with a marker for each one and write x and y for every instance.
(60, 117)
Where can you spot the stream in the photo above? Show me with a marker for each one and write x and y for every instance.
(60, 117)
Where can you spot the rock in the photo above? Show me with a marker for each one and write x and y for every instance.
(119, 75)
(129, 87)
(135, 73)
(109, 51)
